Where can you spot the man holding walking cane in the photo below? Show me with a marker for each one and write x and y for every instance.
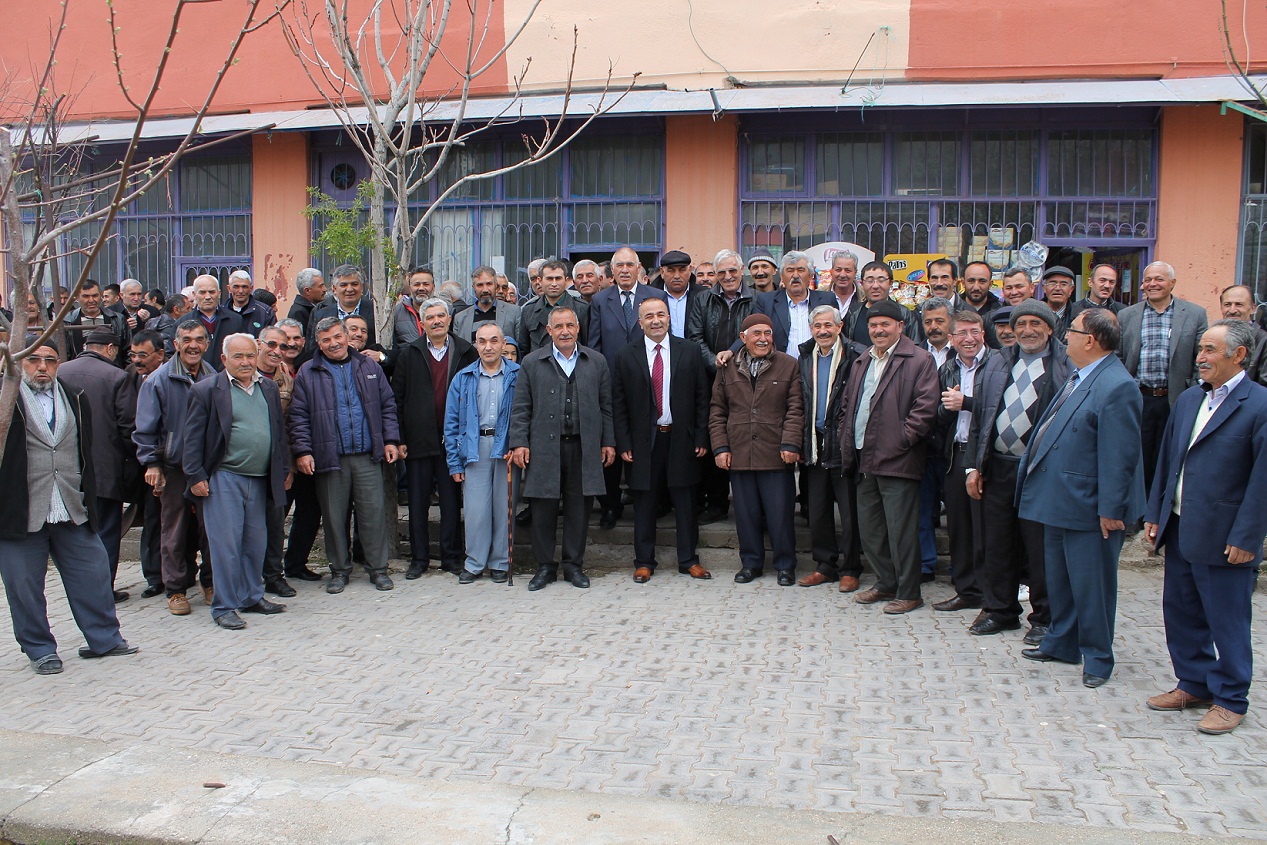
(476, 423)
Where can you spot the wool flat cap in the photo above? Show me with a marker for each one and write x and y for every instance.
(1058, 271)
(1033, 308)
(887, 308)
(756, 320)
(102, 337)
(1001, 315)
(674, 258)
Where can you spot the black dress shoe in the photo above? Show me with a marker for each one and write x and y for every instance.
(1034, 636)
(989, 626)
(544, 576)
(577, 577)
(231, 621)
(466, 576)
(607, 521)
(1042, 656)
(498, 576)
(524, 518)
(118, 651)
(711, 515)
(1092, 681)
(452, 568)
(121, 596)
(415, 570)
(280, 588)
(266, 607)
(304, 574)
(955, 603)
(381, 581)
(927, 577)
(786, 578)
(151, 591)
(337, 582)
(745, 576)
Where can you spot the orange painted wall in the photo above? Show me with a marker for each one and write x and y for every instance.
(279, 230)
(1200, 174)
(1023, 39)
(701, 188)
(268, 76)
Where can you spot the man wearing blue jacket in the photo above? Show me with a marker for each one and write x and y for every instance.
(1206, 509)
(476, 423)
(342, 429)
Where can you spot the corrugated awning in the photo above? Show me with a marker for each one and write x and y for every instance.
(900, 95)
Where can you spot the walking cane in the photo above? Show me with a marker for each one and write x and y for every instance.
(510, 523)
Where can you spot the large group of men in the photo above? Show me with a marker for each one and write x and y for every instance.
(1040, 424)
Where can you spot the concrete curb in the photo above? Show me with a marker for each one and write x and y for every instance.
(66, 789)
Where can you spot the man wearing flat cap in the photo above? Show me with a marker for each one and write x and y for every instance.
(755, 425)
(890, 405)
(680, 290)
(1016, 387)
(1058, 291)
(111, 396)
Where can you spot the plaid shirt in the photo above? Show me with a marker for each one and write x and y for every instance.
(1154, 345)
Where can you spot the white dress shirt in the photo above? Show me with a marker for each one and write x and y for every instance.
(667, 417)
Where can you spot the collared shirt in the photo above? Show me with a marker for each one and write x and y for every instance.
(677, 313)
(843, 304)
(667, 417)
(249, 387)
(44, 398)
(870, 382)
(355, 312)
(1204, 412)
(967, 385)
(939, 354)
(438, 353)
(1154, 345)
(489, 388)
(1085, 372)
(568, 365)
(798, 325)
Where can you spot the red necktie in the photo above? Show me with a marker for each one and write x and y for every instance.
(657, 382)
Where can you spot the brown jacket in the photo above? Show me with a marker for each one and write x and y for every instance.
(903, 410)
(755, 422)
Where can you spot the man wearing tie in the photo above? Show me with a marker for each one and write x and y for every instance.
(1212, 469)
(660, 396)
(1085, 495)
(613, 324)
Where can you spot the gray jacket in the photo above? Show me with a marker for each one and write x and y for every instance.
(536, 420)
(507, 318)
(1187, 325)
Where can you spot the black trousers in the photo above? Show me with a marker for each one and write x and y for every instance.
(576, 514)
(765, 500)
(831, 496)
(423, 475)
(151, 538)
(609, 502)
(714, 489)
(1152, 427)
(304, 525)
(963, 524)
(1011, 546)
(273, 550)
(647, 505)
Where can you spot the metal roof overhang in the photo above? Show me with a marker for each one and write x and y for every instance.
(1196, 90)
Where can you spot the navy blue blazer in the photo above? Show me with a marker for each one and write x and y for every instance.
(207, 428)
(1089, 463)
(1224, 478)
(607, 332)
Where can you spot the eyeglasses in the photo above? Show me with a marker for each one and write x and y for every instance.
(1078, 331)
(48, 360)
(273, 344)
(966, 333)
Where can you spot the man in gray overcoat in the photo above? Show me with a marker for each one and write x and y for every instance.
(561, 434)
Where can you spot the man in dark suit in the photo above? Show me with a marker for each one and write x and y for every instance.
(1099, 292)
(424, 371)
(1085, 495)
(1159, 348)
(660, 396)
(789, 307)
(348, 286)
(613, 324)
(1017, 385)
(220, 321)
(111, 393)
(1237, 303)
(1206, 509)
(237, 462)
(561, 434)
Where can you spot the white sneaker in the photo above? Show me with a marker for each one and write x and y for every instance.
(1022, 595)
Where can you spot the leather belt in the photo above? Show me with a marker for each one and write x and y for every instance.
(664, 429)
(487, 432)
(1154, 391)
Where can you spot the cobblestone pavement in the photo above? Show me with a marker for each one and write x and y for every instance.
(698, 691)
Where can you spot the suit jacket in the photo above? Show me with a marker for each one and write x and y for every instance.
(634, 411)
(987, 400)
(507, 319)
(207, 428)
(420, 431)
(1188, 323)
(1224, 475)
(228, 322)
(536, 420)
(330, 308)
(1089, 463)
(607, 331)
(774, 305)
(111, 394)
(1257, 369)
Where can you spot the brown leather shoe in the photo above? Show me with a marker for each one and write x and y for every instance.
(699, 573)
(897, 606)
(1219, 720)
(178, 604)
(814, 579)
(209, 593)
(848, 583)
(955, 603)
(1176, 699)
(642, 574)
(872, 596)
